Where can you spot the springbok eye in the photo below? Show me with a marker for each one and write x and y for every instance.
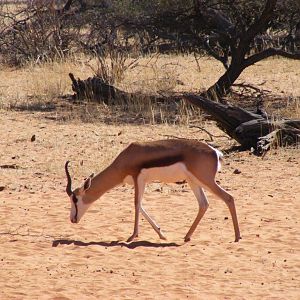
(74, 198)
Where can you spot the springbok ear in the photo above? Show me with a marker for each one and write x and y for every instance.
(87, 184)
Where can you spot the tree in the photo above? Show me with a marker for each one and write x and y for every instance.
(233, 32)
(238, 38)
(237, 33)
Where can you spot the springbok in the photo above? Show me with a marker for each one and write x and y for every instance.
(170, 160)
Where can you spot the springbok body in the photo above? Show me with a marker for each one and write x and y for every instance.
(165, 161)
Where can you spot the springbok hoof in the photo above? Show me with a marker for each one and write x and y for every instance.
(162, 237)
(237, 239)
(132, 238)
(187, 239)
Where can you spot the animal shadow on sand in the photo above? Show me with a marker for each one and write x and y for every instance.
(131, 245)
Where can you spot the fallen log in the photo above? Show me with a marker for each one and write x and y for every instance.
(250, 130)
(96, 90)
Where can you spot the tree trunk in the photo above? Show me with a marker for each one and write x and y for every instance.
(221, 88)
(249, 129)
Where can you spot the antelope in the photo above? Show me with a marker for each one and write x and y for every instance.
(166, 161)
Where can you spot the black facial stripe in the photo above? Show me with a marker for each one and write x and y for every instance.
(74, 198)
(162, 162)
(75, 201)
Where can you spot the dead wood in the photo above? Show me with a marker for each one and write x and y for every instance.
(247, 128)
(95, 89)
(250, 130)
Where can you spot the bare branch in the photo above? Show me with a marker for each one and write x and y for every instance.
(211, 136)
(268, 53)
(214, 54)
(260, 24)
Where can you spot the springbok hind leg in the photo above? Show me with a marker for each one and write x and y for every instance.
(229, 200)
(203, 205)
(152, 223)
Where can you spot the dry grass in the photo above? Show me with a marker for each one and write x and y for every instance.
(40, 87)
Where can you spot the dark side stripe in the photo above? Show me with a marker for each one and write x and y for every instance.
(162, 162)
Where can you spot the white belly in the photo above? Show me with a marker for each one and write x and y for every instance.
(172, 173)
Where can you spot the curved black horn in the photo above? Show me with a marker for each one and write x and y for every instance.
(69, 183)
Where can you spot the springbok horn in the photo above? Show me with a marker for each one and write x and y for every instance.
(69, 183)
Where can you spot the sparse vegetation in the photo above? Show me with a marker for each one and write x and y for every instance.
(117, 40)
(45, 85)
(155, 59)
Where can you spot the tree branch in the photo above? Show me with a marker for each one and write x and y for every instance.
(268, 53)
(67, 6)
(214, 54)
(260, 24)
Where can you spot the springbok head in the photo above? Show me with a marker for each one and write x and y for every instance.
(77, 196)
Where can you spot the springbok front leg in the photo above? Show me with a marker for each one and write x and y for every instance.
(139, 187)
(155, 226)
(140, 192)
(203, 206)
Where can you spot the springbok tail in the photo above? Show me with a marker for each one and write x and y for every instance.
(220, 158)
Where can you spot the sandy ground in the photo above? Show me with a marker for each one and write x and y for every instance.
(44, 256)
